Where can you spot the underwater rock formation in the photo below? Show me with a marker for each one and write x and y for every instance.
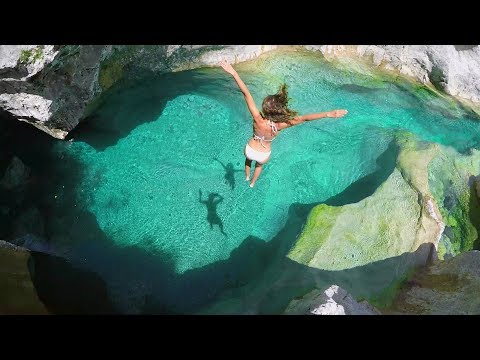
(15, 175)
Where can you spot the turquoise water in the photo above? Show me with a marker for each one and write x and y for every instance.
(129, 195)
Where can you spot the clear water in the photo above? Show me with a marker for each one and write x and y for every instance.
(125, 195)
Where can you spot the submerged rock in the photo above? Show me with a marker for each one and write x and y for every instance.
(16, 175)
(332, 301)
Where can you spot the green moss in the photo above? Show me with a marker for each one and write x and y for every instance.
(37, 54)
(450, 174)
(316, 231)
(30, 56)
(25, 56)
(451, 221)
(465, 233)
(110, 74)
(113, 68)
(442, 250)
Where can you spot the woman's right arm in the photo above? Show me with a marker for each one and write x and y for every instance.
(243, 88)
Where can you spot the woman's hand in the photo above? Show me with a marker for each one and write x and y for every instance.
(337, 113)
(227, 67)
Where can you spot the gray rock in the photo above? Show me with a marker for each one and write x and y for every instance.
(67, 85)
(17, 174)
(453, 69)
(8, 245)
(449, 287)
(332, 301)
(23, 61)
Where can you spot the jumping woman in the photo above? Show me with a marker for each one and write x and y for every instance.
(275, 117)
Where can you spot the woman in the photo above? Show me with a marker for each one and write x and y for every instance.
(275, 117)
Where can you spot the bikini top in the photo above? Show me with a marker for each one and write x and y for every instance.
(274, 129)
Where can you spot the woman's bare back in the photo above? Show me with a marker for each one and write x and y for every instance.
(262, 127)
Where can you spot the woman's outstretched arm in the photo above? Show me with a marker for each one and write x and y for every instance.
(302, 118)
(248, 97)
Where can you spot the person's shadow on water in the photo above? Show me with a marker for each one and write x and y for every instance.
(229, 173)
(211, 203)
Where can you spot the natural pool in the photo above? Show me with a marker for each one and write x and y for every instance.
(143, 192)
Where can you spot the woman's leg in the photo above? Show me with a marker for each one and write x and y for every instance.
(256, 173)
(248, 165)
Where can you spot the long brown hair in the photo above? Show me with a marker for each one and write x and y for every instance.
(275, 107)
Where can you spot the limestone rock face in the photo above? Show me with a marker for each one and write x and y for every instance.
(332, 301)
(55, 87)
(454, 69)
(60, 85)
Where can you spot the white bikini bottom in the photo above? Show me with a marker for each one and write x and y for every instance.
(255, 155)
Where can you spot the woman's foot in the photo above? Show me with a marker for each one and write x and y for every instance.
(247, 178)
(252, 184)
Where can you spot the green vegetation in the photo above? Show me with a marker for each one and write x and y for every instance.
(30, 56)
(316, 231)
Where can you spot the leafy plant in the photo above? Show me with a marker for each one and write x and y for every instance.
(30, 56)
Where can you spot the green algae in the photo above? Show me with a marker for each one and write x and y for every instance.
(316, 232)
(451, 177)
(357, 234)
(110, 73)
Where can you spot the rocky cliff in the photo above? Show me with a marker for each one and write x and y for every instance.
(449, 287)
(453, 69)
(55, 87)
